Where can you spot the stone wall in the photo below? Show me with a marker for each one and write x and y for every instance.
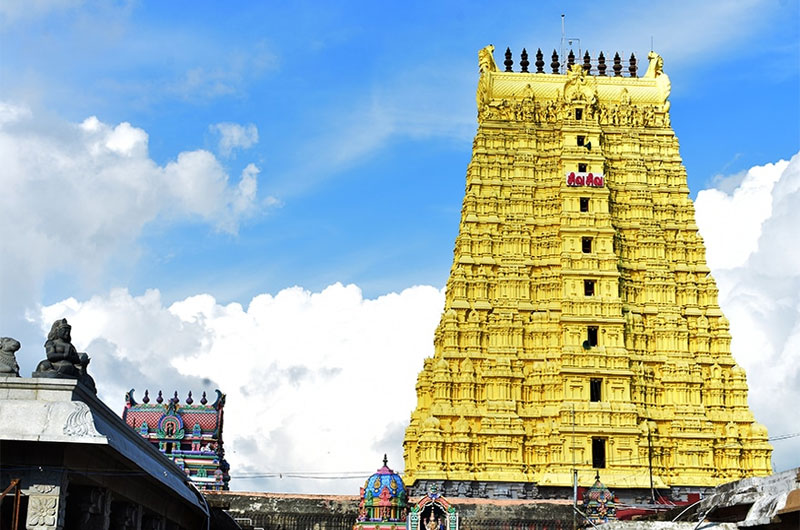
(272, 511)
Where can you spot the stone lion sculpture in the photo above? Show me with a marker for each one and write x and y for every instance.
(8, 360)
(63, 360)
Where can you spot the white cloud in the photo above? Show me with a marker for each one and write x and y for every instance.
(234, 136)
(399, 106)
(315, 381)
(685, 32)
(15, 10)
(732, 221)
(12, 113)
(76, 196)
(751, 238)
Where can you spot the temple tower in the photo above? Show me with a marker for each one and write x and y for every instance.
(581, 328)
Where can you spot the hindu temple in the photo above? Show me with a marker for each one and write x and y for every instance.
(581, 329)
(383, 501)
(189, 434)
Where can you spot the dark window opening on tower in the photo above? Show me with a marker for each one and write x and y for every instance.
(598, 453)
(586, 245)
(584, 204)
(596, 390)
(591, 335)
(588, 287)
(581, 168)
(578, 114)
(581, 140)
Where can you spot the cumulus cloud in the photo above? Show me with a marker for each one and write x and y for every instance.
(234, 136)
(751, 238)
(319, 382)
(734, 236)
(77, 195)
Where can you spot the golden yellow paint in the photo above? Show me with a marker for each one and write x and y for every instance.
(506, 396)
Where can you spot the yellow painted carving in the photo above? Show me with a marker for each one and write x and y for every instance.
(508, 394)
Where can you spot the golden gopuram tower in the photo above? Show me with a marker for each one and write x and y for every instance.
(581, 330)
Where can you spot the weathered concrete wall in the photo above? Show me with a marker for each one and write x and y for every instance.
(273, 511)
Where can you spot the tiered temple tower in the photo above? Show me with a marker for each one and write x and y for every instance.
(581, 328)
(189, 434)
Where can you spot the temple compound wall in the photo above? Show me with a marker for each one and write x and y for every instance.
(581, 330)
(339, 512)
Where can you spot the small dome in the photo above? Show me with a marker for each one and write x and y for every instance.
(758, 430)
(431, 423)
(384, 479)
(442, 365)
(383, 498)
(598, 503)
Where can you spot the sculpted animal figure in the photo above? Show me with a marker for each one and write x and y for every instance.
(486, 59)
(8, 361)
(655, 70)
(656, 66)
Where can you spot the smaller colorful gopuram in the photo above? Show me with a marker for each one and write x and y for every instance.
(598, 503)
(384, 501)
(190, 434)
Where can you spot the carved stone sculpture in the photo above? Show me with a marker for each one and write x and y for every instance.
(486, 60)
(63, 360)
(8, 362)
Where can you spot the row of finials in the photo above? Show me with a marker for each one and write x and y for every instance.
(555, 65)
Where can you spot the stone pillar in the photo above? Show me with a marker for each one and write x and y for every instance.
(93, 508)
(46, 502)
(151, 521)
(126, 516)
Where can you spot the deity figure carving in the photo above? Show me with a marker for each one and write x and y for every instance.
(63, 360)
(579, 86)
(8, 361)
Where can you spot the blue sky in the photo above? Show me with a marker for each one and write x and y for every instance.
(364, 113)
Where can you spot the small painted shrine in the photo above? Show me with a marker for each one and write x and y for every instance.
(433, 512)
(190, 434)
(598, 503)
(384, 501)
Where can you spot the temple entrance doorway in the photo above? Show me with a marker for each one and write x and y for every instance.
(433, 517)
(433, 512)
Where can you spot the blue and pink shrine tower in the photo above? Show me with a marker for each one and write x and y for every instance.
(385, 506)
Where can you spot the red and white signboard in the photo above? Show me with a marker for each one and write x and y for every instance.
(592, 180)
